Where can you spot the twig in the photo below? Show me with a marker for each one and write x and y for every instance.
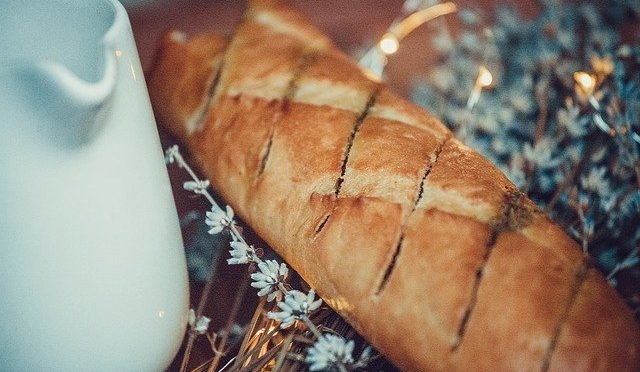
(257, 348)
(312, 327)
(176, 156)
(202, 366)
(201, 304)
(585, 233)
(283, 352)
(187, 351)
(230, 321)
(542, 98)
(571, 177)
(263, 359)
(563, 186)
(227, 365)
(265, 337)
(250, 331)
(621, 265)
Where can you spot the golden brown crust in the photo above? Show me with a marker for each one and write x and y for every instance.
(232, 143)
(304, 188)
(599, 333)
(393, 107)
(182, 77)
(517, 267)
(418, 241)
(276, 15)
(383, 146)
(440, 277)
(463, 182)
(278, 56)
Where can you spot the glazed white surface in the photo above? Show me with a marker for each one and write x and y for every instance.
(92, 268)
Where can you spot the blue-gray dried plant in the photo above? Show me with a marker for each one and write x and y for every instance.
(574, 149)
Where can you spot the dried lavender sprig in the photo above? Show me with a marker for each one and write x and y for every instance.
(271, 279)
(173, 155)
(334, 352)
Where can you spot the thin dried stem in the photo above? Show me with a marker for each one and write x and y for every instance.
(230, 321)
(187, 351)
(232, 360)
(202, 366)
(283, 352)
(204, 297)
(621, 265)
(177, 156)
(312, 327)
(259, 363)
(264, 338)
(570, 178)
(258, 346)
(254, 322)
(542, 98)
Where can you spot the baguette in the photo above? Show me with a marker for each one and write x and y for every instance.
(420, 243)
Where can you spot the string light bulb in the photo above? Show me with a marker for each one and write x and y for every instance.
(585, 88)
(484, 80)
(375, 59)
(585, 83)
(389, 44)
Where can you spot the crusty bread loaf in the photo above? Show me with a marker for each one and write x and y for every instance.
(418, 241)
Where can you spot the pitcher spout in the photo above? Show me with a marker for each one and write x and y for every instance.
(74, 108)
(58, 77)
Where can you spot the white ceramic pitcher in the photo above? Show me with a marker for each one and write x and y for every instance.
(92, 269)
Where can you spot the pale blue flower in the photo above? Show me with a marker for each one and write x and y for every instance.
(570, 119)
(241, 253)
(566, 39)
(469, 17)
(268, 279)
(541, 154)
(296, 305)
(443, 43)
(200, 324)
(521, 101)
(505, 123)
(197, 186)
(470, 41)
(443, 79)
(330, 352)
(171, 153)
(515, 171)
(506, 115)
(218, 220)
(596, 181)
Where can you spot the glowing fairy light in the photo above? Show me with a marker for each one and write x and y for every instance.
(585, 83)
(389, 44)
(484, 77)
(585, 87)
(484, 80)
(375, 60)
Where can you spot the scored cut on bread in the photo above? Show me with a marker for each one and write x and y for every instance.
(419, 242)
